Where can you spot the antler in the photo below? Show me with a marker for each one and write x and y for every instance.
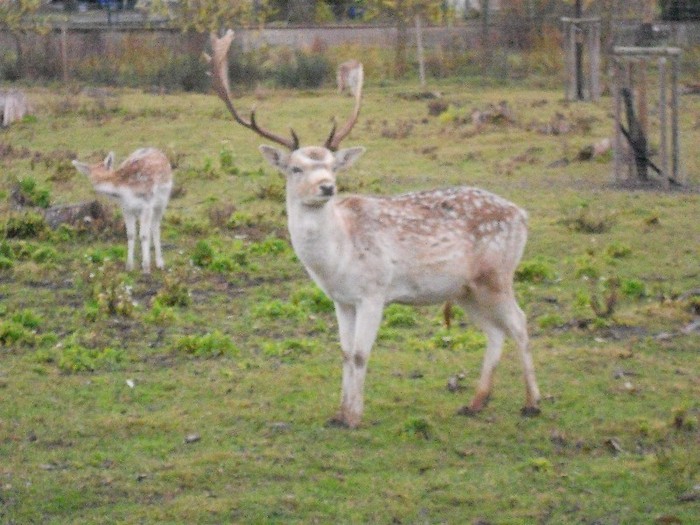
(219, 74)
(334, 139)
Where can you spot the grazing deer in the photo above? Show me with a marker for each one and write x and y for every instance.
(350, 76)
(459, 244)
(142, 185)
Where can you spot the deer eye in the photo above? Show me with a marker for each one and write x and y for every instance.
(296, 169)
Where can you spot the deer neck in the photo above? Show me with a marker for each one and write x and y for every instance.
(317, 236)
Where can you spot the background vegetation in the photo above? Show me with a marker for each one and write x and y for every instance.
(199, 394)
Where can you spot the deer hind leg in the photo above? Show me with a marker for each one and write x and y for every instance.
(500, 316)
(495, 337)
(358, 326)
(145, 223)
(130, 222)
(155, 235)
(517, 328)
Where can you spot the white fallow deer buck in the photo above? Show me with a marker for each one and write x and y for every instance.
(142, 185)
(460, 245)
(349, 76)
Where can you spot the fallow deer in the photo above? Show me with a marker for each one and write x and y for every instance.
(460, 245)
(142, 185)
(350, 77)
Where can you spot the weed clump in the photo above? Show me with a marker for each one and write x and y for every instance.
(534, 271)
(213, 344)
(584, 219)
(26, 226)
(111, 294)
(76, 358)
(28, 193)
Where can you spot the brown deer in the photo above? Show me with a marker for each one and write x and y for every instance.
(142, 185)
(458, 244)
(350, 77)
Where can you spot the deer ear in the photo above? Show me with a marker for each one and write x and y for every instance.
(82, 167)
(109, 160)
(276, 157)
(347, 157)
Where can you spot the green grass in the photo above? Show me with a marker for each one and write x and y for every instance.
(105, 374)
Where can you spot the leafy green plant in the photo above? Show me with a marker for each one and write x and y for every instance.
(618, 250)
(463, 340)
(213, 344)
(30, 194)
(13, 333)
(312, 299)
(535, 270)
(288, 349)
(550, 321)
(227, 162)
(203, 254)
(397, 315)
(633, 288)
(277, 309)
(25, 226)
(45, 254)
(111, 293)
(419, 427)
(174, 292)
(76, 358)
(27, 318)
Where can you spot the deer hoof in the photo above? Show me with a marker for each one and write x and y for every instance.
(468, 411)
(530, 411)
(338, 421)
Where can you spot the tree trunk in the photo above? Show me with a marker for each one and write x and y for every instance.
(485, 35)
(421, 54)
(401, 45)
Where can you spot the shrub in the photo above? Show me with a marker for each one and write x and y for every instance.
(305, 70)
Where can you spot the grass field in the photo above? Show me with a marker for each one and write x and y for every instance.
(200, 394)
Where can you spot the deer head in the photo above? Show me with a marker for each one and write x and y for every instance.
(310, 171)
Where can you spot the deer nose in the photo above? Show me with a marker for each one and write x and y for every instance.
(327, 190)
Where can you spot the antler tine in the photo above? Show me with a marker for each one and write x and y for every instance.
(219, 72)
(334, 139)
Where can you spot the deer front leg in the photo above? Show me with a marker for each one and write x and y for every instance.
(145, 235)
(358, 327)
(130, 221)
